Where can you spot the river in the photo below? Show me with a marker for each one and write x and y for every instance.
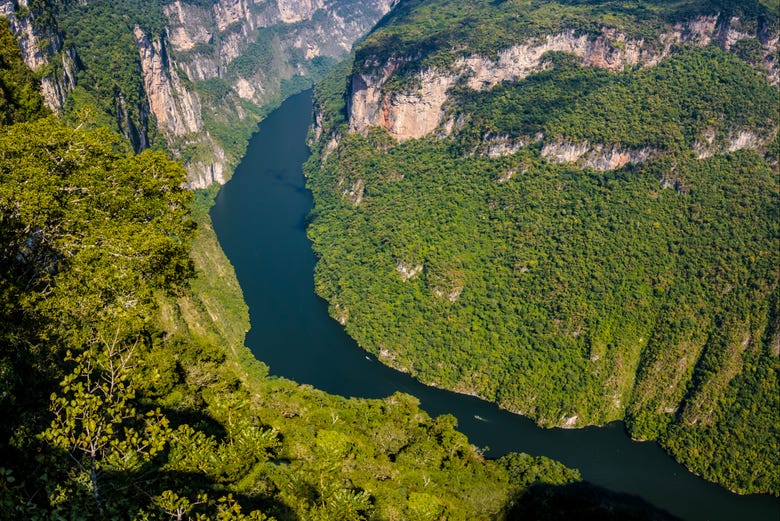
(260, 220)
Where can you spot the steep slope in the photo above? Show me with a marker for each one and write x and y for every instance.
(123, 397)
(567, 208)
(190, 77)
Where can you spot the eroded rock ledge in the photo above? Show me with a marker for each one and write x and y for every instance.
(410, 115)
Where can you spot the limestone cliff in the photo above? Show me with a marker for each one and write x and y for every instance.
(251, 47)
(209, 41)
(418, 111)
(176, 110)
(208, 72)
(41, 47)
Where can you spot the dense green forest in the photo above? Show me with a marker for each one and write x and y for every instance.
(123, 398)
(647, 292)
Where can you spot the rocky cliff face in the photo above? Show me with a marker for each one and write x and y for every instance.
(249, 47)
(413, 114)
(177, 110)
(208, 41)
(41, 47)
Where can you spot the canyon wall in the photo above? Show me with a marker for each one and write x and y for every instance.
(42, 47)
(420, 110)
(245, 49)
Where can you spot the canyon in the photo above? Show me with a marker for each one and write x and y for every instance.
(248, 48)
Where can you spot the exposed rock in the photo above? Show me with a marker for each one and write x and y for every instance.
(329, 148)
(595, 156)
(610, 158)
(37, 47)
(40, 47)
(705, 147)
(671, 180)
(413, 114)
(137, 136)
(56, 87)
(569, 422)
(499, 146)
(740, 139)
(232, 45)
(340, 313)
(188, 25)
(247, 90)
(408, 271)
(611, 50)
(204, 173)
(451, 295)
(698, 31)
(743, 139)
(229, 12)
(204, 40)
(506, 176)
(366, 99)
(565, 151)
(292, 11)
(355, 192)
(176, 110)
(208, 39)
(729, 34)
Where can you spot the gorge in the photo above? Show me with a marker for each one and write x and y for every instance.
(565, 208)
(260, 216)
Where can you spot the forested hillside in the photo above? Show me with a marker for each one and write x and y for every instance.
(568, 208)
(122, 397)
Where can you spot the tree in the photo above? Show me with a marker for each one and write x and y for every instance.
(94, 419)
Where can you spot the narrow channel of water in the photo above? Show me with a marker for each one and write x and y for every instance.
(259, 217)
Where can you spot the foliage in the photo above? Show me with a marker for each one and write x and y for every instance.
(124, 398)
(558, 291)
(110, 68)
(698, 92)
(90, 233)
(146, 423)
(19, 99)
(93, 418)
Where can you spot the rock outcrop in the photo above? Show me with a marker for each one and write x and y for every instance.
(208, 40)
(595, 156)
(41, 47)
(176, 110)
(416, 113)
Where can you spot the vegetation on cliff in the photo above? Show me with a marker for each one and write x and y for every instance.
(434, 33)
(575, 294)
(19, 98)
(125, 389)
